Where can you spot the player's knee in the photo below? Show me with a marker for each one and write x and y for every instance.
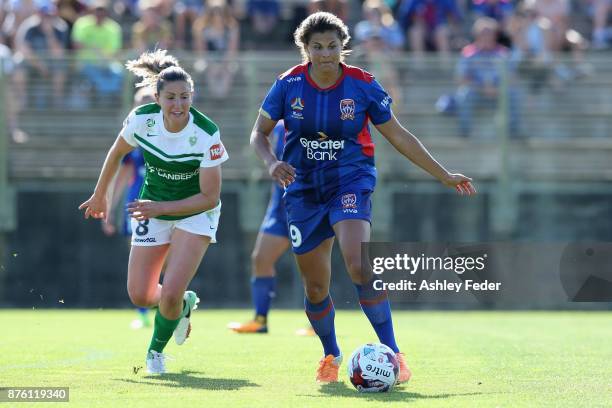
(261, 265)
(171, 298)
(316, 293)
(257, 259)
(353, 266)
(140, 298)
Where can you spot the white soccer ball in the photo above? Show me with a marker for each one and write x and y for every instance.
(373, 368)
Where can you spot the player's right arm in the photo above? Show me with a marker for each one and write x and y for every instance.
(282, 172)
(97, 206)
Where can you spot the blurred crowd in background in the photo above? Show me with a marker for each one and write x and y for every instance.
(37, 36)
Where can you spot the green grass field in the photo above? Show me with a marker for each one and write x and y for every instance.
(472, 359)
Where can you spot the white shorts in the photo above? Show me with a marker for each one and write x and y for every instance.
(154, 232)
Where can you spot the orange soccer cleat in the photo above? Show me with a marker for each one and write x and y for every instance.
(305, 332)
(328, 368)
(404, 372)
(252, 326)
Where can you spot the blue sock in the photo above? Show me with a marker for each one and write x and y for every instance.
(143, 310)
(262, 291)
(375, 305)
(321, 317)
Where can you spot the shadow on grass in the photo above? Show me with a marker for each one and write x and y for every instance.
(398, 393)
(190, 379)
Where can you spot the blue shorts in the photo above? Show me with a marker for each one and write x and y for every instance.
(275, 221)
(310, 224)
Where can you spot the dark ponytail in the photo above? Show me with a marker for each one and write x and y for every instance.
(156, 68)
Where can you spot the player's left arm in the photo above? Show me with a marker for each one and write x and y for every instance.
(207, 199)
(411, 147)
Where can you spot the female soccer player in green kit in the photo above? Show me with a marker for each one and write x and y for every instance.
(177, 214)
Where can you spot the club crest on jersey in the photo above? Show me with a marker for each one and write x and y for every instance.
(193, 139)
(297, 106)
(347, 109)
(150, 122)
(349, 203)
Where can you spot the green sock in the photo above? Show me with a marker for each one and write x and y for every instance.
(162, 331)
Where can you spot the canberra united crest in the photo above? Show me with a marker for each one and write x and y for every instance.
(347, 109)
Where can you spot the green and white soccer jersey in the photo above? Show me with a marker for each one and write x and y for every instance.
(173, 160)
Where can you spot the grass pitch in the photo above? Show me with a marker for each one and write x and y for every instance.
(471, 359)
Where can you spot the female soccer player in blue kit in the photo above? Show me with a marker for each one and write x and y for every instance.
(327, 168)
(128, 184)
(272, 242)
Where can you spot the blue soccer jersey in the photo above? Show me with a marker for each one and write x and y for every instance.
(327, 137)
(328, 142)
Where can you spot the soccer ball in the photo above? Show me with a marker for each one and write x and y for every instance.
(373, 368)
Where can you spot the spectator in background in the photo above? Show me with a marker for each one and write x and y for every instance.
(263, 16)
(499, 10)
(557, 13)
(427, 23)
(479, 74)
(393, 5)
(216, 37)
(166, 7)
(602, 33)
(98, 40)
(6, 58)
(378, 18)
(126, 9)
(553, 17)
(186, 13)
(151, 31)
(3, 10)
(339, 8)
(16, 12)
(379, 37)
(70, 11)
(531, 53)
(41, 42)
